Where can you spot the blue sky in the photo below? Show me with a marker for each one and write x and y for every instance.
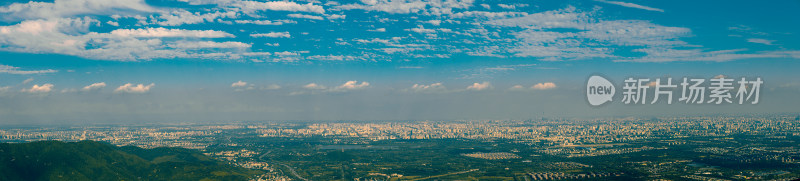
(207, 60)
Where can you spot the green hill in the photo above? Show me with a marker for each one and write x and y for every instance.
(90, 160)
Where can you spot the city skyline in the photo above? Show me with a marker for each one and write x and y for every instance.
(756, 147)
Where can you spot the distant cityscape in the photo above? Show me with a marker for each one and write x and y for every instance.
(694, 148)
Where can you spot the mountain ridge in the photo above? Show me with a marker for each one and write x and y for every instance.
(91, 160)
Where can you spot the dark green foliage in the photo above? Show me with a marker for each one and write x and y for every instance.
(90, 160)
(339, 156)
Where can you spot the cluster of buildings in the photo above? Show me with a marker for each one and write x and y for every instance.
(569, 176)
(552, 132)
(492, 155)
(544, 131)
(191, 137)
(587, 152)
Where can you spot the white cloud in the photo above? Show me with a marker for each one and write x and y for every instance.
(208, 44)
(421, 29)
(314, 86)
(410, 6)
(669, 55)
(374, 40)
(544, 86)
(163, 32)
(16, 70)
(350, 85)
(252, 6)
(26, 81)
(45, 88)
(760, 41)
(62, 36)
(378, 30)
(631, 5)
(242, 86)
(68, 8)
(286, 53)
(431, 88)
(334, 57)
(135, 89)
(203, 2)
(480, 86)
(305, 16)
(266, 22)
(434, 22)
(272, 35)
(744, 29)
(563, 18)
(510, 6)
(94, 86)
(347, 86)
(591, 39)
(517, 88)
(636, 33)
(239, 84)
(336, 16)
(180, 17)
(563, 34)
(405, 50)
(538, 86)
(487, 14)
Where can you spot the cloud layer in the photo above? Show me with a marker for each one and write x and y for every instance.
(134, 89)
(230, 30)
